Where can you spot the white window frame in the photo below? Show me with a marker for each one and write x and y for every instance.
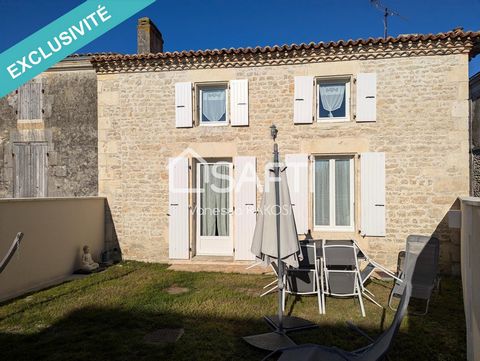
(199, 87)
(334, 79)
(332, 227)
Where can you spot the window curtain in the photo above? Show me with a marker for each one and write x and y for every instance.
(208, 200)
(332, 96)
(222, 199)
(213, 105)
(322, 193)
(342, 192)
(215, 200)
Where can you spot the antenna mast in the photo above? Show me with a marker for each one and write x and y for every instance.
(386, 13)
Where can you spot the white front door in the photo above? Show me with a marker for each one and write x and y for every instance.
(214, 213)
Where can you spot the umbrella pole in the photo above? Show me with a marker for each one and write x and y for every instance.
(278, 338)
(276, 170)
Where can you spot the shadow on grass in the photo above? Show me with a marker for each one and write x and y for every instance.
(117, 334)
(69, 292)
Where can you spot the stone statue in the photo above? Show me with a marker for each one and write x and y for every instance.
(87, 261)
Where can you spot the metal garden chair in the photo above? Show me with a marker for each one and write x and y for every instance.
(341, 271)
(375, 351)
(306, 279)
(425, 277)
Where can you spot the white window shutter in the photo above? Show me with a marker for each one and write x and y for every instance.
(303, 100)
(373, 194)
(179, 215)
(239, 102)
(297, 176)
(366, 97)
(245, 206)
(183, 105)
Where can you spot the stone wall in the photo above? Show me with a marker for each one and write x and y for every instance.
(69, 126)
(475, 176)
(476, 172)
(422, 126)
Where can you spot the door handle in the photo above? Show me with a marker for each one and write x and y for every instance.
(379, 205)
(173, 204)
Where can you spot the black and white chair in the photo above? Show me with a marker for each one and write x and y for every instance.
(341, 270)
(307, 278)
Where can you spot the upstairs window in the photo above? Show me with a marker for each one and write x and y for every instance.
(333, 100)
(212, 104)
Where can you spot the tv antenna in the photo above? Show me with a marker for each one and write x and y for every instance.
(386, 13)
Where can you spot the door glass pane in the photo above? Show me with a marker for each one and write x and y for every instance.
(342, 192)
(214, 200)
(322, 194)
(332, 100)
(214, 106)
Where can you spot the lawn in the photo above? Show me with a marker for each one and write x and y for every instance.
(107, 315)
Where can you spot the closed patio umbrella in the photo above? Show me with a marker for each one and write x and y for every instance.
(265, 241)
(275, 240)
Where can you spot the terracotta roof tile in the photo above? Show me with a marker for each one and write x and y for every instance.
(455, 34)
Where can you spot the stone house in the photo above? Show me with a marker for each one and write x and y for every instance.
(374, 133)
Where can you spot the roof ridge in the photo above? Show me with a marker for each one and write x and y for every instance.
(457, 33)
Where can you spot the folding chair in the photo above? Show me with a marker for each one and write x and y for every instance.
(274, 283)
(305, 280)
(341, 271)
(425, 277)
(377, 350)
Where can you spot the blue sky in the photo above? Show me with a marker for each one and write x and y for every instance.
(209, 24)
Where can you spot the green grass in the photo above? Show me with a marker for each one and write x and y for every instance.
(105, 317)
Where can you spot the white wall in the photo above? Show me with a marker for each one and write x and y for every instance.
(55, 230)
(470, 252)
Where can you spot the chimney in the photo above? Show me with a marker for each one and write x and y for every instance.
(149, 38)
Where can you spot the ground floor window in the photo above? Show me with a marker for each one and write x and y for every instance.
(333, 180)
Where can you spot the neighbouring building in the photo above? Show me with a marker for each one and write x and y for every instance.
(475, 134)
(374, 133)
(48, 134)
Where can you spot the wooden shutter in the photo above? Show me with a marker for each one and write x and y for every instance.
(21, 183)
(31, 170)
(183, 105)
(373, 194)
(297, 176)
(239, 102)
(366, 97)
(303, 100)
(39, 167)
(30, 100)
(179, 215)
(245, 206)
